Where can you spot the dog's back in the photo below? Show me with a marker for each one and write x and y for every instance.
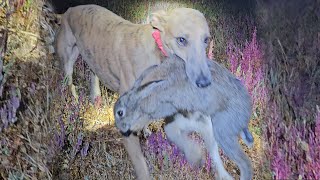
(107, 42)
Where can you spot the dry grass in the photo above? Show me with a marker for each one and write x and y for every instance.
(24, 144)
(292, 46)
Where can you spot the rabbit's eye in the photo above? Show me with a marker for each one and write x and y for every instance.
(120, 113)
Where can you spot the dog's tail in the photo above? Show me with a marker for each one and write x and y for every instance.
(50, 22)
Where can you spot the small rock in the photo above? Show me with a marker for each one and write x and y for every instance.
(5, 161)
(23, 149)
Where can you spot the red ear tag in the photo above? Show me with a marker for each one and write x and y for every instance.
(156, 36)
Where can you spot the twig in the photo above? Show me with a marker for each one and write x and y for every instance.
(108, 140)
(29, 141)
(31, 110)
(35, 163)
(24, 32)
(30, 160)
(282, 50)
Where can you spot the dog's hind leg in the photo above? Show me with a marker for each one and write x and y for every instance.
(68, 53)
(70, 57)
(95, 91)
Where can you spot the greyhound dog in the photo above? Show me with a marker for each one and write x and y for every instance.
(118, 51)
(220, 112)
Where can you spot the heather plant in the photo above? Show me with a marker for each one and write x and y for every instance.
(60, 135)
(293, 149)
(10, 99)
(8, 111)
(292, 60)
(69, 135)
(165, 156)
(246, 62)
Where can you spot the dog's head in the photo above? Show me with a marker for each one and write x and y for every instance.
(185, 33)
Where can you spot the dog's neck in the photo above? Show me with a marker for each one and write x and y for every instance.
(157, 37)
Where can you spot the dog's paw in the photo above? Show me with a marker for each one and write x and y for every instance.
(74, 93)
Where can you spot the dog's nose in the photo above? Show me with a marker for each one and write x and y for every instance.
(202, 82)
(127, 133)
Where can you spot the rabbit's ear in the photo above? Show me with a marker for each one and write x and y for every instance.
(143, 75)
(150, 87)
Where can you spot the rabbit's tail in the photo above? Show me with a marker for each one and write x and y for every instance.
(247, 137)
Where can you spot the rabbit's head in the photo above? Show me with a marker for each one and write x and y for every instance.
(133, 110)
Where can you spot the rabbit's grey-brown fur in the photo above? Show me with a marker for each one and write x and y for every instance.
(165, 91)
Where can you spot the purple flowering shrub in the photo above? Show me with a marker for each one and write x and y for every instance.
(166, 155)
(247, 64)
(68, 135)
(294, 148)
(8, 110)
(10, 95)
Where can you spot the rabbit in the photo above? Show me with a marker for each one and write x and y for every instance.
(219, 112)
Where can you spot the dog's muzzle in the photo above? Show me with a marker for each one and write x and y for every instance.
(127, 133)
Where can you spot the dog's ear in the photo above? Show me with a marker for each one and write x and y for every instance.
(158, 20)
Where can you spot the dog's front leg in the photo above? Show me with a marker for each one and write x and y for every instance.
(95, 92)
(132, 145)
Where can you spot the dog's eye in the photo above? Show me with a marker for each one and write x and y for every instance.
(182, 41)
